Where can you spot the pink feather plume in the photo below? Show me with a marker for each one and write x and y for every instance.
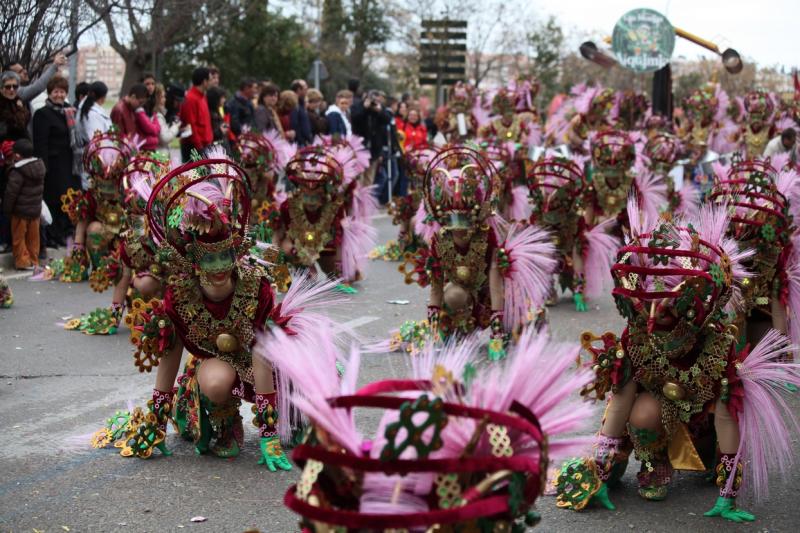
(767, 423)
(528, 279)
(358, 238)
(601, 250)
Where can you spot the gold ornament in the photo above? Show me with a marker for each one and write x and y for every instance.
(227, 343)
(673, 391)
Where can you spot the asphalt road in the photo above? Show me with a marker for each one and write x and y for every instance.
(57, 387)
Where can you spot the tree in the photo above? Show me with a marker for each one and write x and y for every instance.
(32, 31)
(142, 30)
(259, 44)
(546, 48)
(348, 32)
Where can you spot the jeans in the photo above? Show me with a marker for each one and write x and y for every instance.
(382, 181)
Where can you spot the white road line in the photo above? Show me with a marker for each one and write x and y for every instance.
(18, 275)
(360, 321)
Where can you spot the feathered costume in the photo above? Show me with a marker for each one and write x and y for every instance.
(676, 363)
(452, 450)
(482, 272)
(198, 214)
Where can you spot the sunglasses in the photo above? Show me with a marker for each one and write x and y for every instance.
(10, 87)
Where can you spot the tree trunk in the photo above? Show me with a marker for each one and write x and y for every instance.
(135, 67)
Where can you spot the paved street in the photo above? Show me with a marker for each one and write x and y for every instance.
(57, 386)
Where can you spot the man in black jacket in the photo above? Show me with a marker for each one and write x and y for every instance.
(298, 119)
(240, 107)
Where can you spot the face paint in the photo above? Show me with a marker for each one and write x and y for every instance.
(216, 267)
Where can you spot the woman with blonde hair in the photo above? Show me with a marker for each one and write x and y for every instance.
(157, 107)
(287, 102)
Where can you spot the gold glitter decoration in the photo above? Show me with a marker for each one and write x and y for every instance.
(500, 441)
(310, 474)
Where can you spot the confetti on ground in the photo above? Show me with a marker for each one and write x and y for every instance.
(198, 519)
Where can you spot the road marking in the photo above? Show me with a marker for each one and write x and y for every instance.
(18, 275)
(360, 321)
(380, 216)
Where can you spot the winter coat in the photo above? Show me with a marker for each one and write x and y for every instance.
(241, 111)
(14, 117)
(195, 113)
(415, 136)
(338, 123)
(51, 144)
(24, 190)
(148, 128)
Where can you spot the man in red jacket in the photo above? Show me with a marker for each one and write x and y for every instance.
(194, 113)
(123, 115)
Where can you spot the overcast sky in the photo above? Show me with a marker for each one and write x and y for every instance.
(766, 31)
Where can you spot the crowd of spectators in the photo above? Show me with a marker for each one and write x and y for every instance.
(165, 116)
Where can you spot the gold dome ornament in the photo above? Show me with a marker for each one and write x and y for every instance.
(673, 391)
(227, 343)
(463, 273)
(113, 218)
(310, 236)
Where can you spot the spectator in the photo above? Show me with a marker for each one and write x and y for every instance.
(356, 107)
(240, 107)
(220, 121)
(786, 142)
(338, 115)
(194, 114)
(287, 103)
(299, 118)
(81, 90)
(23, 203)
(28, 91)
(373, 119)
(14, 118)
(401, 115)
(52, 136)
(93, 117)
(76, 138)
(14, 114)
(123, 114)
(266, 114)
(149, 82)
(213, 73)
(175, 96)
(316, 114)
(415, 132)
(167, 131)
(147, 126)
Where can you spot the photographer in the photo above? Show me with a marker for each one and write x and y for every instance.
(383, 145)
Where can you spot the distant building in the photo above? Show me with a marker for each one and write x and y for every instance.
(101, 63)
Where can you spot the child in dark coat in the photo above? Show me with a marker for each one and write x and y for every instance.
(23, 204)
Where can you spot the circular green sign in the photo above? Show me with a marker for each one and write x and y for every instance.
(643, 40)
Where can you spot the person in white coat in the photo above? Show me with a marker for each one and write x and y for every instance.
(91, 118)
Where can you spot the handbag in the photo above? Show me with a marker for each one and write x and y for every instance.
(46, 218)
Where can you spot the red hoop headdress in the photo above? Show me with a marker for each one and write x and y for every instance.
(207, 209)
(554, 184)
(460, 188)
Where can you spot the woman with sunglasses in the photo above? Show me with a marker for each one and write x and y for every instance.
(14, 118)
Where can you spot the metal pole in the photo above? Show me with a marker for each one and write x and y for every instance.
(73, 77)
(389, 176)
(316, 74)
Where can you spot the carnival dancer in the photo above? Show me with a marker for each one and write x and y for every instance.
(555, 188)
(453, 451)
(216, 300)
(764, 203)
(630, 110)
(405, 209)
(660, 153)
(264, 156)
(98, 213)
(455, 121)
(677, 362)
(482, 273)
(587, 109)
(612, 177)
(134, 262)
(758, 125)
(315, 224)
